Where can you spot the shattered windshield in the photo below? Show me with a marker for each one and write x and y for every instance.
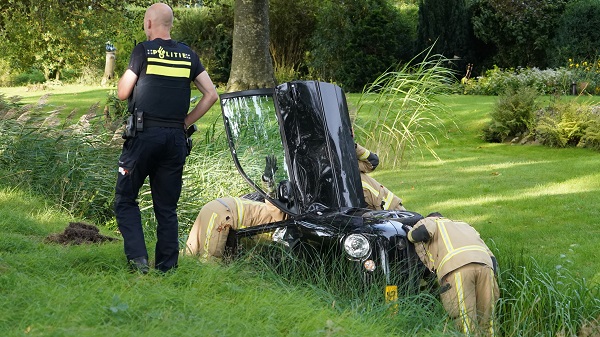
(254, 136)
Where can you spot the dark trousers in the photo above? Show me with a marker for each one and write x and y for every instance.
(158, 153)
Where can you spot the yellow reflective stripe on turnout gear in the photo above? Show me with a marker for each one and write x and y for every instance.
(492, 330)
(451, 252)
(467, 324)
(365, 155)
(240, 211)
(367, 186)
(170, 68)
(460, 250)
(388, 200)
(211, 224)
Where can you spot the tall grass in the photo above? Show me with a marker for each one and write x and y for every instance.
(397, 113)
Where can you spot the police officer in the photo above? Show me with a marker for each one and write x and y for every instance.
(376, 195)
(157, 84)
(208, 236)
(465, 268)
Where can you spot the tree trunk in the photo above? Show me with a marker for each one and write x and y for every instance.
(109, 67)
(251, 64)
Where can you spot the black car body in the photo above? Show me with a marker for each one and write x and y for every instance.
(306, 126)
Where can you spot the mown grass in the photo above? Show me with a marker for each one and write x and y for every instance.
(535, 206)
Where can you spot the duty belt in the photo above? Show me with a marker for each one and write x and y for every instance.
(151, 122)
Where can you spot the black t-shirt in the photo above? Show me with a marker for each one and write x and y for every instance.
(165, 69)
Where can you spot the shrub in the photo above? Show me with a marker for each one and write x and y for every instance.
(29, 77)
(562, 125)
(513, 115)
(591, 137)
(497, 81)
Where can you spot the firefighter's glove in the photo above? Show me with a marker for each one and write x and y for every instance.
(270, 168)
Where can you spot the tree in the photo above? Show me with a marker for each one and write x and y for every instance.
(251, 64)
(445, 27)
(520, 30)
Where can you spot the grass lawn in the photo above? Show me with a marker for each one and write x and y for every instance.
(527, 201)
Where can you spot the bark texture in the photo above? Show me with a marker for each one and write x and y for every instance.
(251, 64)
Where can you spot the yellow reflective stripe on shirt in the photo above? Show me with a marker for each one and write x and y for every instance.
(365, 155)
(169, 68)
(172, 62)
(153, 69)
(240, 211)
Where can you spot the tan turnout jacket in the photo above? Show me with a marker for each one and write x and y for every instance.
(463, 265)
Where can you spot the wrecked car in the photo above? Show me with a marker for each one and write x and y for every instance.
(306, 126)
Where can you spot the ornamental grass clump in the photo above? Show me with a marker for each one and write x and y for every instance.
(400, 113)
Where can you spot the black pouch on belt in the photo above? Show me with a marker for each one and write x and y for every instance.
(130, 128)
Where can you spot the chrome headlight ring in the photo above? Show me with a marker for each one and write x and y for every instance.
(357, 246)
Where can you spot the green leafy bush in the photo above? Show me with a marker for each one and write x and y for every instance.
(29, 77)
(591, 137)
(568, 124)
(496, 81)
(513, 115)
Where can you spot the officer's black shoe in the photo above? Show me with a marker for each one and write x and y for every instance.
(139, 264)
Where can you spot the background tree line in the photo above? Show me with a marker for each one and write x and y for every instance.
(349, 42)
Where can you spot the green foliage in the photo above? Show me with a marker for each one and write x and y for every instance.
(591, 138)
(496, 81)
(567, 124)
(519, 30)
(208, 31)
(513, 115)
(355, 41)
(549, 282)
(291, 24)
(400, 110)
(577, 36)
(30, 76)
(55, 35)
(445, 26)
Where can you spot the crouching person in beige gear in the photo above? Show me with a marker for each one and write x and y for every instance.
(208, 236)
(377, 196)
(465, 268)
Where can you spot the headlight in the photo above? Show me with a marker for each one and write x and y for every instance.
(357, 246)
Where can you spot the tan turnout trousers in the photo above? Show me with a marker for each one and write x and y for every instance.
(209, 233)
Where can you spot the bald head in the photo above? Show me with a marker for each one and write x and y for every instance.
(158, 21)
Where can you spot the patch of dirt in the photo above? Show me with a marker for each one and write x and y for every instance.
(78, 233)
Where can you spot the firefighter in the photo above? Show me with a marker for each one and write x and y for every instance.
(376, 195)
(465, 268)
(208, 235)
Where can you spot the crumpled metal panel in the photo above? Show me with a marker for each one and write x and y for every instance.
(317, 136)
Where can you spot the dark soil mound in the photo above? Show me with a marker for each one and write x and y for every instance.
(77, 233)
